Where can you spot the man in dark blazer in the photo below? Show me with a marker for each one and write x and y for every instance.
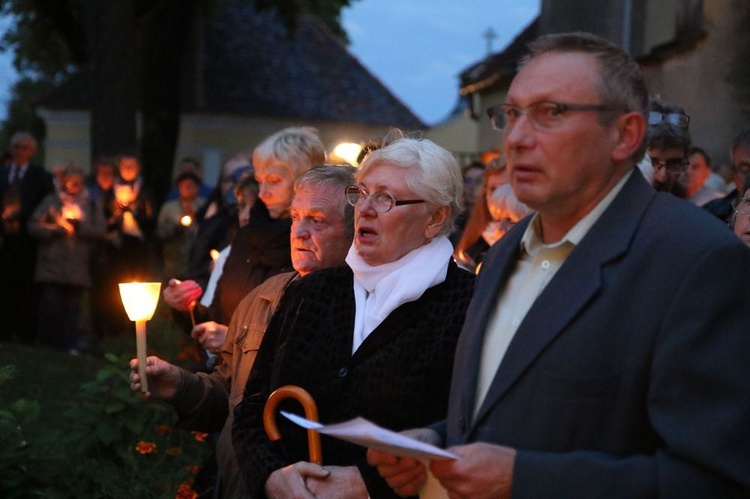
(606, 350)
(22, 187)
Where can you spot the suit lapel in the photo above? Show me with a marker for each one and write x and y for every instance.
(573, 287)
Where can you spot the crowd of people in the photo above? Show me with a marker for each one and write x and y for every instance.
(568, 319)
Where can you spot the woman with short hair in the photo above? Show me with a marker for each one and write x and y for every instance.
(373, 339)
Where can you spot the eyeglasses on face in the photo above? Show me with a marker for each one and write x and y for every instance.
(673, 165)
(543, 115)
(676, 119)
(382, 202)
(743, 168)
(741, 206)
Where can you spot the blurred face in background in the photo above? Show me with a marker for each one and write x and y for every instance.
(699, 172)
(494, 180)
(188, 189)
(276, 187)
(473, 177)
(73, 184)
(105, 177)
(22, 151)
(245, 201)
(671, 170)
(129, 169)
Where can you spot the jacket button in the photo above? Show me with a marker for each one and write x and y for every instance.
(343, 372)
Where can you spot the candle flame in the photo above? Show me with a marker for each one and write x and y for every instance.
(140, 299)
(214, 254)
(186, 220)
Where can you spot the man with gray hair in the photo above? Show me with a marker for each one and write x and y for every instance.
(22, 187)
(605, 351)
(322, 231)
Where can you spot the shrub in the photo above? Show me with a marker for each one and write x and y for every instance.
(105, 441)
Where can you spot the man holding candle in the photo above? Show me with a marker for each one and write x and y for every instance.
(175, 227)
(321, 234)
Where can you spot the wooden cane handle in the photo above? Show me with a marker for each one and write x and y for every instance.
(311, 412)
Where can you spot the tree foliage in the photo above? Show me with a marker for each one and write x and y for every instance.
(132, 50)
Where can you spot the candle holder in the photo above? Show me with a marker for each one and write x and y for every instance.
(140, 299)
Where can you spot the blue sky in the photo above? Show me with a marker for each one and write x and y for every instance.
(416, 48)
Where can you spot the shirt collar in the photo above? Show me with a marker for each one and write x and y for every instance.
(532, 237)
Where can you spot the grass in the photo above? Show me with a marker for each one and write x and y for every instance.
(52, 377)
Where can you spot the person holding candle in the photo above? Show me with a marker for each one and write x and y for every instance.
(134, 220)
(261, 248)
(373, 339)
(176, 226)
(66, 224)
(321, 233)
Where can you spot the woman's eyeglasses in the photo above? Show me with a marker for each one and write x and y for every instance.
(382, 202)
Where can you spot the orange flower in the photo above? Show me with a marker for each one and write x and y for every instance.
(185, 492)
(163, 429)
(200, 437)
(145, 447)
(174, 451)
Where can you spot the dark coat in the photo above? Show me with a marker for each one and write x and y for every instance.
(35, 185)
(259, 250)
(629, 375)
(398, 378)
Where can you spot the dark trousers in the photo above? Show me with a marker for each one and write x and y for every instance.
(59, 313)
(19, 302)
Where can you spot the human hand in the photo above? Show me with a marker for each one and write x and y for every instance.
(180, 295)
(211, 335)
(163, 378)
(405, 476)
(482, 471)
(290, 481)
(344, 482)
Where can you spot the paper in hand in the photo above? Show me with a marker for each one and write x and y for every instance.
(362, 432)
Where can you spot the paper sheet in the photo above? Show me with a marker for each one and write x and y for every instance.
(363, 432)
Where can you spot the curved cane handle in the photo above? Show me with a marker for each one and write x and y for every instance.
(311, 412)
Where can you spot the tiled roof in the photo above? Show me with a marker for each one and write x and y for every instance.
(251, 67)
(498, 66)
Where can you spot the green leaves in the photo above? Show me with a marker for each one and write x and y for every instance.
(91, 450)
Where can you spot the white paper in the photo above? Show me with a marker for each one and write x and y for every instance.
(362, 432)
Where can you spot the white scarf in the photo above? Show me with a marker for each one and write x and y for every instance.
(379, 290)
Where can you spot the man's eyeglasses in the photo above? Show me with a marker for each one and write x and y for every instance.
(382, 202)
(674, 165)
(676, 119)
(741, 206)
(543, 115)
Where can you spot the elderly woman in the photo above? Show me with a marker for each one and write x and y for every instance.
(374, 339)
